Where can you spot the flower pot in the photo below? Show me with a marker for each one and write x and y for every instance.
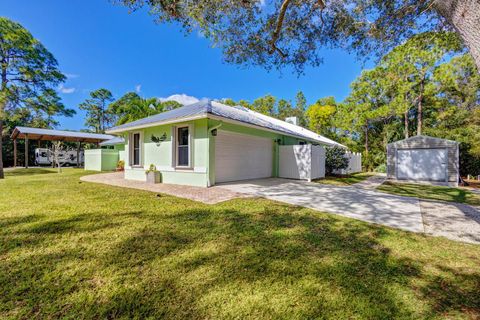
(153, 177)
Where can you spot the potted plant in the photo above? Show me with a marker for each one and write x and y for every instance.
(120, 165)
(153, 175)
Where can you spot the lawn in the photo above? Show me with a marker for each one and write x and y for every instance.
(70, 249)
(345, 180)
(425, 191)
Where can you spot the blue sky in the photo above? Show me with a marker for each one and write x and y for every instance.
(99, 44)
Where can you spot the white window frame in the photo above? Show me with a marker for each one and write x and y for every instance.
(190, 146)
(140, 147)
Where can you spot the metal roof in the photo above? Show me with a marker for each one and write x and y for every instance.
(112, 142)
(58, 135)
(205, 108)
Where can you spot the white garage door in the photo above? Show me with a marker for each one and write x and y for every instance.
(422, 164)
(242, 157)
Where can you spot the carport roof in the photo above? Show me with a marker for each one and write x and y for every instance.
(214, 109)
(58, 135)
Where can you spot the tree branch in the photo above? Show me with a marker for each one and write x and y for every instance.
(278, 27)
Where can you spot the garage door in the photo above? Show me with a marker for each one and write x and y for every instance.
(241, 157)
(422, 164)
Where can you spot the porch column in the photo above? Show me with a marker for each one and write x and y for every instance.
(15, 153)
(26, 151)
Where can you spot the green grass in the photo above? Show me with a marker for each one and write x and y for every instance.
(431, 192)
(345, 180)
(70, 249)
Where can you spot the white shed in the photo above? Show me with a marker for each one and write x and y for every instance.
(423, 158)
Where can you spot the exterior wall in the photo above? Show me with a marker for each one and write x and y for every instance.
(424, 142)
(160, 155)
(101, 159)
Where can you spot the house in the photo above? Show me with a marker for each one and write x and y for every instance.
(424, 158)
(208, 142)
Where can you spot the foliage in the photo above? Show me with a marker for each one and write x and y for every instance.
(121, 164)
(98, 116)
(335, 159)
(92, 251)
(29, 77)
(277, 108)
(321, 116)
(292, 33)
(131, 107)
(152, 168)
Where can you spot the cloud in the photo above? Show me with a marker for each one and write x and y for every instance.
(71, 75)
(65, 90)
(183, 99)
(138, 88)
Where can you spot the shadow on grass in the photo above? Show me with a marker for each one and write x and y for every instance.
(28, 172)
(233, 261)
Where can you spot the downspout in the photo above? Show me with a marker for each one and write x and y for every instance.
(209, 180)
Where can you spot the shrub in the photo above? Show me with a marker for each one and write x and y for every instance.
(121, 164)
(335, 159)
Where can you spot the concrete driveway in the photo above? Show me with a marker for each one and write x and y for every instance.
(358, 203)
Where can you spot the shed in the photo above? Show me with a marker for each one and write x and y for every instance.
(423, 158)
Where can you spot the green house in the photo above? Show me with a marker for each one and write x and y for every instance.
(206, 143)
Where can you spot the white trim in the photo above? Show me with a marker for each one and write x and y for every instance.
(189, 146)
(158, 123)
(131, 146)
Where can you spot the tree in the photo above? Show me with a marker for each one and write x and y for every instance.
(284, 110)
(131, 107)
(292, 32)
(265, 105)
(300, 108)
(320, 116)
(98, 116)
(29, 76)
(335, 159)
(413, 64)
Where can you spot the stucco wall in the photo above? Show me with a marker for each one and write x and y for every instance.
(160, 155)
(101, 159)
(425, 142)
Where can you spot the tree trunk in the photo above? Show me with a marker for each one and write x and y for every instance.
(464, 16)
(1, 149)
(406, 124)
(366, 139)
(420, 111)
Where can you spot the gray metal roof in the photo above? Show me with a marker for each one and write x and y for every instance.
(112, 142)
(69, 135)
(237, 113)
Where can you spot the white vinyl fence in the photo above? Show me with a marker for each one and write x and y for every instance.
(354, 163)
(304, 162)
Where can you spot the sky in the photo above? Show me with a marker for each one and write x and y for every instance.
(102, 45)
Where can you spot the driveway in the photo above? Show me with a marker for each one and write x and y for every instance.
(358, 203)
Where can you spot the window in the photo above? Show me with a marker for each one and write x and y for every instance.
(136, 149)
(183, 147)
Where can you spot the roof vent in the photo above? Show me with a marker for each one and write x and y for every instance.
(292, 120)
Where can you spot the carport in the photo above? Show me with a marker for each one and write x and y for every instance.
(423, 158)
(38, 134)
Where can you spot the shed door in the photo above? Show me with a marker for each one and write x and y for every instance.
(422, 164)
(242, 157)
